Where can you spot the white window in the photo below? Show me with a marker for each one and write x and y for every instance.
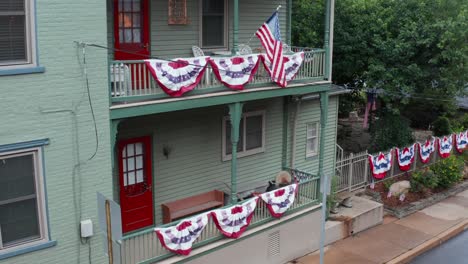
(17, 34)
(22, 204)
(312, 139)
(251, 135)
(213, 26)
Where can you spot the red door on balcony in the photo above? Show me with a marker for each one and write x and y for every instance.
(131, 29)
(135, 179)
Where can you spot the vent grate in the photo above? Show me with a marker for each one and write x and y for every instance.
(274, 244)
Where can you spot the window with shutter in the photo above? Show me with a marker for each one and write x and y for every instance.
(16, 33)
(251, 135)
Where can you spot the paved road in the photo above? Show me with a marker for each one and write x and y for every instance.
(453, 251)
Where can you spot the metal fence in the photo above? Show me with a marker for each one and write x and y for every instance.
(353, 172)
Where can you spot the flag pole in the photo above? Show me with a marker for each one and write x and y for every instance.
(253, 35)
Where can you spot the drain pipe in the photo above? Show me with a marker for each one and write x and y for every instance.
(298, 101)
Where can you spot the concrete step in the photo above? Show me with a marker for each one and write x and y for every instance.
(349, 221)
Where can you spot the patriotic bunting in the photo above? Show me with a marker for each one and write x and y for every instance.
(279, 201)
(461, 141)
(445, 146)
(270, 37)
(380, 164)
(179, 238)
(235, 72)
(426, 149)
(178, 76)
(292, 63)
(233, 221)
(405, 157)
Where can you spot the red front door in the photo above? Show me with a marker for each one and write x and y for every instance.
(135, 177)
(131, 29)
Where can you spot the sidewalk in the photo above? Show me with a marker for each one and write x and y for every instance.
(399, 240)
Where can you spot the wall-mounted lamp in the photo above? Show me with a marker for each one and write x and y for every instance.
(166, 151)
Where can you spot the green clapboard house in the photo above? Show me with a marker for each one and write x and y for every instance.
(82, 113)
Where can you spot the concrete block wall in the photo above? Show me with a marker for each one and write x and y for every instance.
(54, 105)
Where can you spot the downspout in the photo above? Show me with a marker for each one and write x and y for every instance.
(293, 134)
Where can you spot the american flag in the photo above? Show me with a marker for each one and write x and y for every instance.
(270, 37)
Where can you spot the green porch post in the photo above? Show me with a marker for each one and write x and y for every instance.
(114, 130)
(235, 28)
(326, 43)
(323, 126)
(289, 23)
(235, 115)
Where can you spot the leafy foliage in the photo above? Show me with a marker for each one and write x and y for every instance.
(423, 179)
(441, 126)
(388, 131)
(388, 183)
(412, 49)
(448, 171)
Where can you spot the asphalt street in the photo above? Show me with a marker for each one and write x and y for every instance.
(454, 251)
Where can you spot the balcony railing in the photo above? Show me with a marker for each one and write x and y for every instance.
(130, 80)
(144, 246)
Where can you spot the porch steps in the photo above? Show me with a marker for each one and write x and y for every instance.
(349, 221)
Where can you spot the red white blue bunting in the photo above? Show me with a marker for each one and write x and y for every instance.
(179, 238)
(178, 76)
(233, 221)
(279, 201)
(445, 146)
(426, 149)
(380, 164)
(461, 141)
(235, 72)
(405, 157)
(292, 63)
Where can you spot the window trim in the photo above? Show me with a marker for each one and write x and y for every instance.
(226, 28)
(32, 62)
(312, 153)
(244, 152)
(36, 148)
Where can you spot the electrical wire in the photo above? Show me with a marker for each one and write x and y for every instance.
(90, 104)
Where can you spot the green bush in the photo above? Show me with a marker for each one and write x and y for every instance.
(423, 179)
(332, 198)
(388, 131)
(388, 183)
(448, 171)
(441, 126)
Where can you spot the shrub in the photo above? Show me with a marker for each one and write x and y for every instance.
(448, 171)
(390, 130)
(388, 183)
(441, 126)
(332, 198)
(423, 179)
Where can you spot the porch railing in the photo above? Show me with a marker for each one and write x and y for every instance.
(144, 246)
(131, 80)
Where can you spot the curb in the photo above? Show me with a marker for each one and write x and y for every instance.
(431, 243)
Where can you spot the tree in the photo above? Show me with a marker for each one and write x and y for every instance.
(412, 49)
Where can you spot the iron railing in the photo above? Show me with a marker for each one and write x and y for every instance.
(144, 246)
(131, 80)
